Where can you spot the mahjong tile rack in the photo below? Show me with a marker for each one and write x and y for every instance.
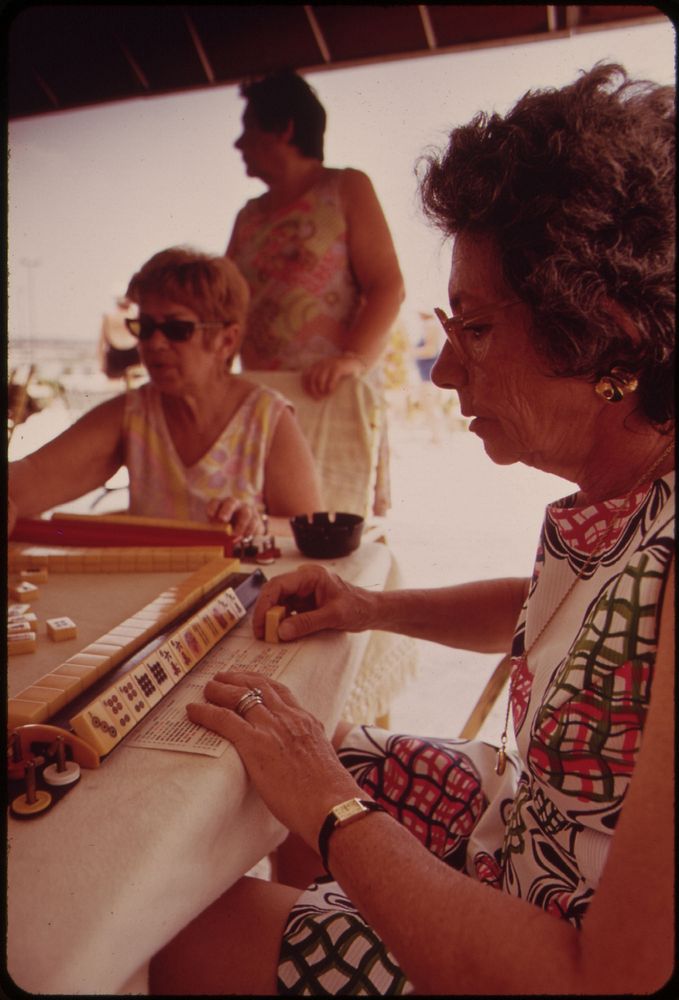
(77, 714)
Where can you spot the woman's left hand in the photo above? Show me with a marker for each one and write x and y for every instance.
(243, 517)
(284, 749)
(322, 378)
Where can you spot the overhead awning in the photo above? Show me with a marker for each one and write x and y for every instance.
(64, 56)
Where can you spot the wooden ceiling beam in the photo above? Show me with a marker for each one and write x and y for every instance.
(572, 16)
(318, 34)
(137, 71)
(427, 26)
(200, 48)
(47, 90)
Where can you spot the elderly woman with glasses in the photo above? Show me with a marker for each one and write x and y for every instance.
(200, 443)
(447, 866)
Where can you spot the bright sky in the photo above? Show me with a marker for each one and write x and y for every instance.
(94, 193)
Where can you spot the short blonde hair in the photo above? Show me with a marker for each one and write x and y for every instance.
(212, 287)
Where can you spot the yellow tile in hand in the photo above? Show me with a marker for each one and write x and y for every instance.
(272, 620)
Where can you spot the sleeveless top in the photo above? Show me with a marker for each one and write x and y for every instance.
(578, 716)
(162, 486)
(304, 297)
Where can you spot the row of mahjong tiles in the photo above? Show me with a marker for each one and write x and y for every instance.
(43, 695)
(107, 719)
(32, 566)
(115, 711)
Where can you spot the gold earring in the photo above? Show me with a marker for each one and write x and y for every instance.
(615, 385)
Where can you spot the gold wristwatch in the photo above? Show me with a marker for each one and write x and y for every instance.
(342, 815)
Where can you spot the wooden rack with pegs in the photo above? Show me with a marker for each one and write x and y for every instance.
(103, 705)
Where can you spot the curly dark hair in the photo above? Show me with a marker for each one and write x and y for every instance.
(283, 97)
(576, 188)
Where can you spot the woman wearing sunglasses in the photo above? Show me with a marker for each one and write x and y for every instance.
(199, 442)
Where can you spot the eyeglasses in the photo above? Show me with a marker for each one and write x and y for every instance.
(469, 335)
(177, 330)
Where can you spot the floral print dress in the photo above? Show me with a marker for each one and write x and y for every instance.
(304, 296)
(541, 831)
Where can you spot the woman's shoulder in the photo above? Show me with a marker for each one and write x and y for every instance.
(662, 490)
(260, 397)
(140, 395)
(355, 190)
(141, 403)
(340, 179)
(351, 179)
(253, 206)
(644, 516)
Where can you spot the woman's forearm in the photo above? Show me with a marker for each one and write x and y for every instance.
(369, 335)
(78, 460)
(478, 616)
(455, 936)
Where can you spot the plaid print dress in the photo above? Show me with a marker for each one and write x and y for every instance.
(542, 830)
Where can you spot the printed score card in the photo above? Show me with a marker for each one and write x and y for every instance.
(168, 727)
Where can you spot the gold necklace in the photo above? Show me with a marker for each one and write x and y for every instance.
(501, 758)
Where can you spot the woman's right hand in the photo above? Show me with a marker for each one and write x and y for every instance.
(319, 599)
(323, 377)
(244, 518)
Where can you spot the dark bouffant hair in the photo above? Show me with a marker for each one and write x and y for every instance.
(576, 187)
(284, 97)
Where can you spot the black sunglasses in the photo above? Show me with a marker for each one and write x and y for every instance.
(178, 330)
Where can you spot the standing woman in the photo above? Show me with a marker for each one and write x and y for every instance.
(315, 248)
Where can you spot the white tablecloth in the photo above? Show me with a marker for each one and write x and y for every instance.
(148, 840)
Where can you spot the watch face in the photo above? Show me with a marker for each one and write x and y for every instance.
(348, 810)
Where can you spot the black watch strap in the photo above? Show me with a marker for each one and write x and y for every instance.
(342, 815)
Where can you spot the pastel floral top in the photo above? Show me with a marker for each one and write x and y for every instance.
(162, 486)
(304, 296)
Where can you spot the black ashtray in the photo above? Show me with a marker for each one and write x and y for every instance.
(327, 536)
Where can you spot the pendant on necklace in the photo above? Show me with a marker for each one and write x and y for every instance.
(501, 758)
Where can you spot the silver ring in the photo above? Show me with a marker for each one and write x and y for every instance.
(248, 700)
